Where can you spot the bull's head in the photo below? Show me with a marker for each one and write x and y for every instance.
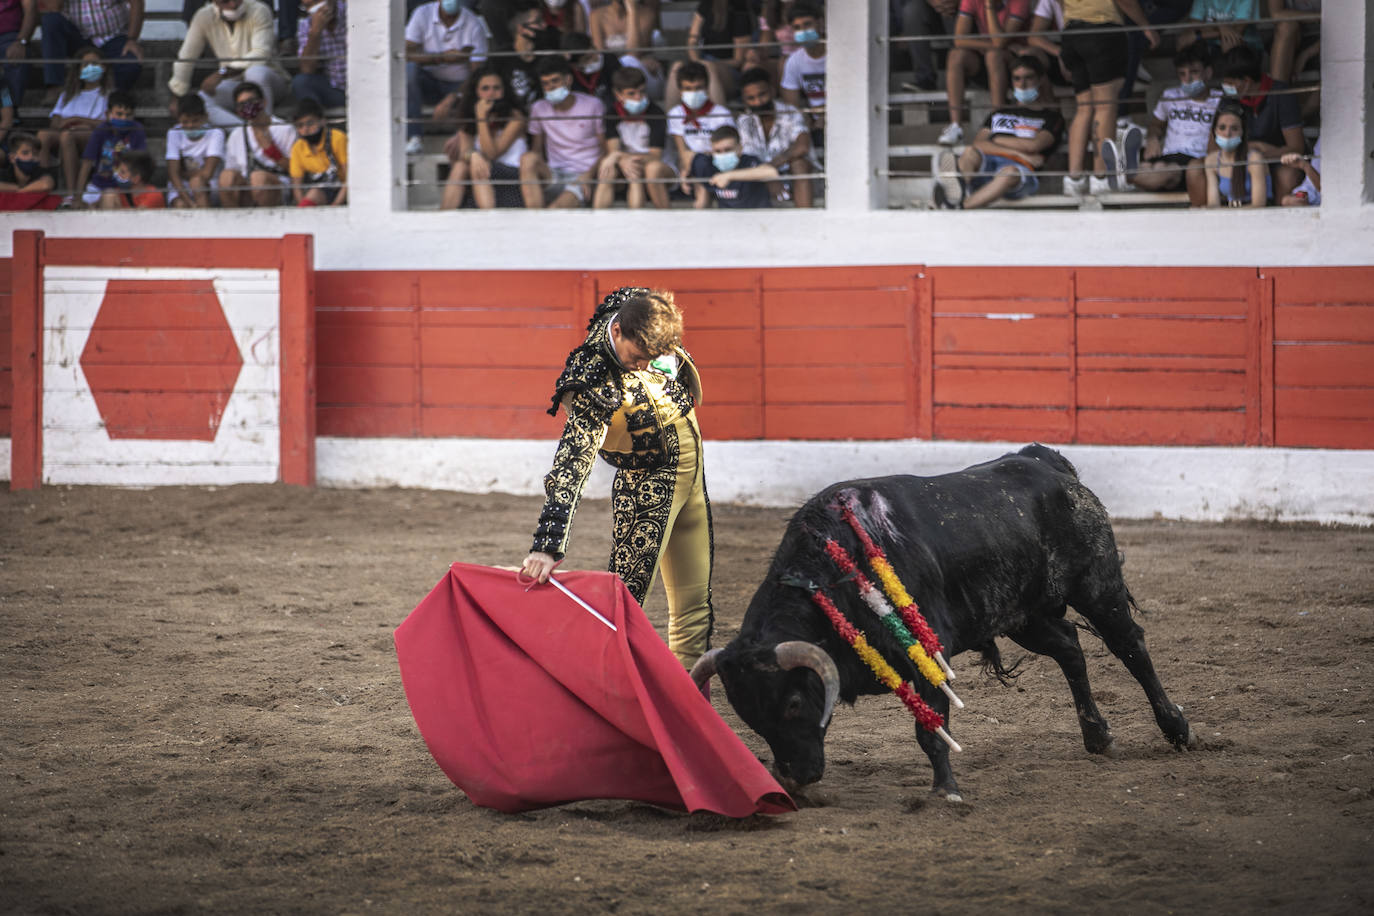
(786, 693)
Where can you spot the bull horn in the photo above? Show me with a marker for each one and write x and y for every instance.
(705, 668)
(798, 654)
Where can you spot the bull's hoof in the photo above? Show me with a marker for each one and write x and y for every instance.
(1104, 744)
(949, 795)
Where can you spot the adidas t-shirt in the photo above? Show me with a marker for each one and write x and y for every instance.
(1189, 121)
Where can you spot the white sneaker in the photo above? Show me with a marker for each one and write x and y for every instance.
(414, 146)
(1111, 158)
(949, 185)
(951, 135)
(1098, 185)
(1075, 187)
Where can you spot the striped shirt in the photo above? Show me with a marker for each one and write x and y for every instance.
(333, 45)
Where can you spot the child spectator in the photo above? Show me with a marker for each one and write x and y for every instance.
(591, 69)
(1181, 124)
(1274, 117)
(242, 38)
(24, 183)
(488, 144)
(735, 178)
(443, 40)
(1003, 158)
(195, 154)
(568, 136)
(775, 133)
(1236, 174)
(81, 108)
(1309, 193)
(319, 159)
(118, 134)
(803, 75)
(256, 154)
(1097, 68)
(991, 49)
(133, 184)
(636, 132)
(691, 121)
(110, 25)
(323, 34)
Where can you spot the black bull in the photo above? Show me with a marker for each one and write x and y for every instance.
(999, 549)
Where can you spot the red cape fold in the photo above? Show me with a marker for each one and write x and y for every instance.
(527, 700)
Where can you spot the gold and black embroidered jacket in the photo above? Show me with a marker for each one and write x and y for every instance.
(612, 411)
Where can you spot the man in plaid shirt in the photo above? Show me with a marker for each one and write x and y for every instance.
(113, 26)
(323, 34)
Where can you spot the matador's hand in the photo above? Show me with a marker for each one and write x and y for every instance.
(538, 566)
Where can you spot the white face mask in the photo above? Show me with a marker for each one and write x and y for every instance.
(592, 67)
(694, 99)
(233, 15)
(555, 4)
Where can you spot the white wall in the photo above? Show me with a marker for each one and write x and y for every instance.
(374, 233)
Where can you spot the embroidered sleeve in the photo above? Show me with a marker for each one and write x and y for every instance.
(583, 434)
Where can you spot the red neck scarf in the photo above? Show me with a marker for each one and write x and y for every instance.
(1253, 102)
(587, 81)
(625, 115)
(693, 116)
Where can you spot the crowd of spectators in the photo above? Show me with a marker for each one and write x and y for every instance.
(1094, 48)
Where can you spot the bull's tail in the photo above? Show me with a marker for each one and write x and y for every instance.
(992, 664)
(1049, 456)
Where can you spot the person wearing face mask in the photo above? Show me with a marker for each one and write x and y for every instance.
(630, 392)
(133, 184)
(241, 35)
(111, 26)
(1181, 125)
(319, 159)
(82, 107)
(256, 154)
(24, 183)
(118, 134)
(195, 155)
(636, 133)
(980, 42)
(1013, 143)
(803, 74)
(1273, 113)
(1236, 175)
(691, 121)
(568, 139)
(734, 178)
(443, 41)
(592, 70)
(775, 133)
(322, 37)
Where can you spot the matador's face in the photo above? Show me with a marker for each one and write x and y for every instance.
(630, 354)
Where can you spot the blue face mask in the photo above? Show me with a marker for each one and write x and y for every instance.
(92, 72)
(1228, 89)
(694, 99)
(807, 36)
(635, 106)
(451, 7)
(122, 123)
(559, 95)
(1228, 143)
(724, 162)
(194, 133)
(1026, 95)
(29, 167)
(1193, 87)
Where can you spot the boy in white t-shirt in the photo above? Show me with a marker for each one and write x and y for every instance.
(691, 121)
(1181, 124)
(195, 154)
(803, 75)
(256, 154)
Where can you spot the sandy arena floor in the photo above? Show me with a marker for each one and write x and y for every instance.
(202, 712)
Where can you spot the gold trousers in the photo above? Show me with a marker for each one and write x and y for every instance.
(662, 521)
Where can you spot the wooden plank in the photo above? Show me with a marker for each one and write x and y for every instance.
(1323, 285)
(222, 254)
(26, 361)
(490, 422)
(542, 347)
(161, 304)
(835, 421)
(1162, 283)
(175, 415)
(365, 385)
(923, 330)
(727, 385)
(716, 349)
(836, 384)
(363, 421)
(1161, 427)
(1000, 361)
(362, 289)
(996, 283)
(1187, 363)
(1002, 423)
(738, 279)
(511, 319)
(192, 346)
(500, 289)
(1036, 336)
(844, 279)
(1324, 323)
(363, 317)
(851, 309)
(1183, 308)
(181, 377)
(1001, 388)
(463, 387)
(1324, 365)
(1210, 390)
(823, 347)
(1163, 336)
(1266, 361)
(717, 310)
(1011, 308)
(1325, 403)
(298, 375)
(731, 421)
(1308, 432)
(390, 345)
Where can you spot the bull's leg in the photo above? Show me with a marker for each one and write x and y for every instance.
(938, 752)
(1111, 617)
(1058, 639)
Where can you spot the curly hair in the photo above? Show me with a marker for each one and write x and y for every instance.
(652, 320)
